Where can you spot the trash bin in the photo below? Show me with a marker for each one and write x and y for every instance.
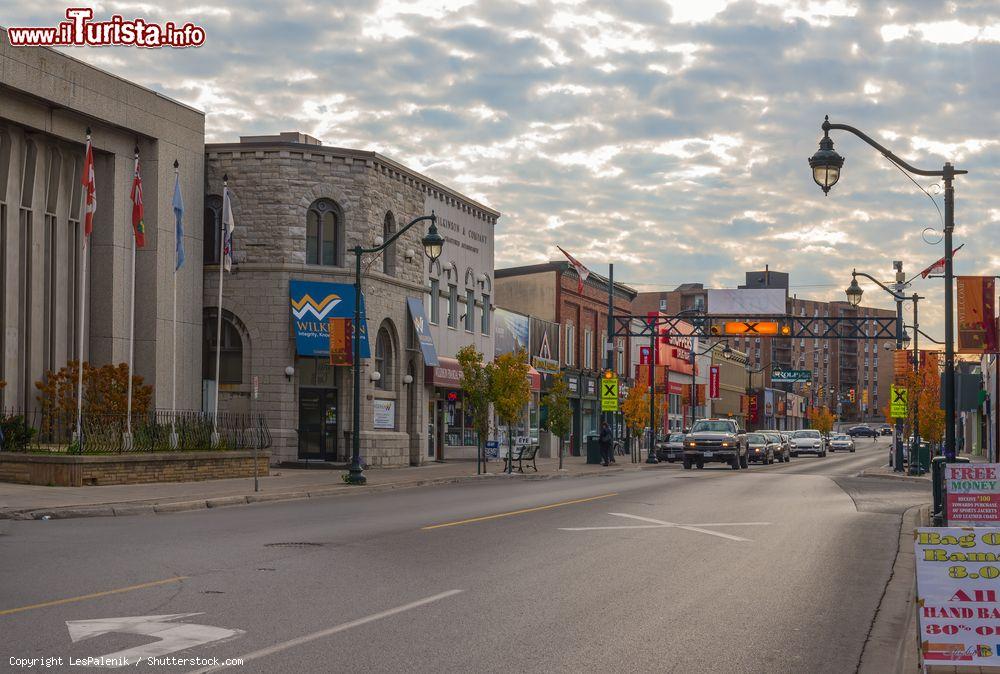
(593, 449)
(922, 462)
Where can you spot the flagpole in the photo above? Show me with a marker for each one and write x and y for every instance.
(83, 310)
(131, 321)
(218, 329)
(173, 341)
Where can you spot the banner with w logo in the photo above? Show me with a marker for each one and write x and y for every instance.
(312, 305)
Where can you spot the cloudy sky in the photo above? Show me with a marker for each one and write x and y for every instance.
(667, 136)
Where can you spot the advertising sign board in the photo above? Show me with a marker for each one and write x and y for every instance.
(973, 494)
(957, 595)
(713, 383)
(385, 414)
(747, 302)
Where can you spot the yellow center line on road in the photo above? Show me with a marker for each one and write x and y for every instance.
(95, 595)
(516, 512)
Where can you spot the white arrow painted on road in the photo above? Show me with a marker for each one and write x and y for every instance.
(171, 636)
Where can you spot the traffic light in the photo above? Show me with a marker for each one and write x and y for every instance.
(608, 374)
(850, 395)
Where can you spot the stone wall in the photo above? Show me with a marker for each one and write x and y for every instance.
(76, 471)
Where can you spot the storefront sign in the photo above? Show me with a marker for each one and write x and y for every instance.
(768, 403)
(447, 373)
(713, 383)
(973, 494)
(644, 355)
(976, 314)
(313, 303)
(609, 395)
(957, 595)
(511, 333)
(544, 346)
(423, 330)
(385, 414)
(778, 375)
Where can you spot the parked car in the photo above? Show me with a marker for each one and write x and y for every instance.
(784, 451)
(842, 442)
(719, 440)
(808, 441)
(760, 448)
(671, 449)
(861, 432)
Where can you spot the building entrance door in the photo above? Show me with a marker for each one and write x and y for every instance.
(317, 424)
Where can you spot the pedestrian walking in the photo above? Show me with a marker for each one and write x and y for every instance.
(604, 440)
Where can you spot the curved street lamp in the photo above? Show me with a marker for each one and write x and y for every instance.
(433, 244)
(826, 167)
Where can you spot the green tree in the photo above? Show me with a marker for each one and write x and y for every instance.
(635, 408)
(510, 391)
(560, 414)
(476, 391)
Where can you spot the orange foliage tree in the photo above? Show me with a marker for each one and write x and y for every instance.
(105, 391)
(821, 419)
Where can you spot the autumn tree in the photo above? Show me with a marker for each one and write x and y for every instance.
(635, 409)
(476, 392)
(105, 393)
(559, 415)
(821, 419)
(510, 391)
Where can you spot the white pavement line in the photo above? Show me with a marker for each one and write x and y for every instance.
(292, 643)
(626, 526)
(731, 524)
(683, 526)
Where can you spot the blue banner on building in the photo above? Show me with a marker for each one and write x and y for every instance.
(423, 331)
(313, 304)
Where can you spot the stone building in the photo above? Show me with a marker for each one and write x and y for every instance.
(47, 101)
(300, 208)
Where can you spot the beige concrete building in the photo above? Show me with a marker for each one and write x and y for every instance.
(47, 101)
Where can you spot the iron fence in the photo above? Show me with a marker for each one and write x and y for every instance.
(38, 431)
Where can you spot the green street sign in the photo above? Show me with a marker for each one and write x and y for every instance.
(786, 376)
(898, 402)
(609, 394)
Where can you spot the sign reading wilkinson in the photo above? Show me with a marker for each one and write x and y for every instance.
(313, 304)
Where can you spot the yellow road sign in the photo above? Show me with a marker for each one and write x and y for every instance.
(898, 402)
(609, 394)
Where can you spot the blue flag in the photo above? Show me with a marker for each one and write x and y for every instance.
(179, 217)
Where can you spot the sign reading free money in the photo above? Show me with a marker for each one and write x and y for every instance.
(973, 494)
(313, 304)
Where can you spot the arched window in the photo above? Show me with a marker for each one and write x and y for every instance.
(212, 227)
(389, 254)
(323, 234)
(231, 353)
(384, 360)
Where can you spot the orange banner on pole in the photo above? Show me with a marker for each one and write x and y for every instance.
(341, 351)
(976, 314)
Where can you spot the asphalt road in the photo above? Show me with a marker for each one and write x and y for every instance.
(776, 569)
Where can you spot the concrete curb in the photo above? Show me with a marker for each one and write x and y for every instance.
(891, 646)
(129, 508)
(871, 472)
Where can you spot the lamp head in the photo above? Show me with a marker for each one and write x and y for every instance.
(432, 241)
(854, 292)
(826, 163)
(906, 339)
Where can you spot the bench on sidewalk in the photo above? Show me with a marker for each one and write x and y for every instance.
(521, 455)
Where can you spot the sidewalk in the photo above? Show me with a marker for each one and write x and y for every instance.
(19, 501)
(887, 471)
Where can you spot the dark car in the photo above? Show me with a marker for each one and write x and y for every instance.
(885, 430)
(671, 449)
(861, 432)
(761, 448)
(783, 452)
(715, 440)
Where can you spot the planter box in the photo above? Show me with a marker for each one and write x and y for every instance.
(76, 470)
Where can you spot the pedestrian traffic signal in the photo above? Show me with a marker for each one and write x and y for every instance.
(850, 395)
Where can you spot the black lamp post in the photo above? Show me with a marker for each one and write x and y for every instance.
(432, 243)
(826, 165)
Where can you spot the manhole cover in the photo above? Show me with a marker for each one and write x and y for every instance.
(293, 545)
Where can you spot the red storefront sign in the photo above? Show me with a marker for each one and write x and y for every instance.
(713, 383)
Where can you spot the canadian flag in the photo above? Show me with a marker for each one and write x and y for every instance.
(581, 271)
(91, 188)
(938, 267)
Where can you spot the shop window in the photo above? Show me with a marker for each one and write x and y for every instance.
(323, 234)
(384, 360)
(230, 355)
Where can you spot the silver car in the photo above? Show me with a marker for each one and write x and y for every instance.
(842, 442)
(808, 441)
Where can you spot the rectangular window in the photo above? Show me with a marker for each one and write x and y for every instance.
(621, 357)
(470, 310)
(588, 349)
(569, 345)
(663, 305)
(452, 305)
(486, 314)
(435, 307)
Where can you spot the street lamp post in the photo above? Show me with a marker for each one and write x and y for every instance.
(826, 165)
(432, 243)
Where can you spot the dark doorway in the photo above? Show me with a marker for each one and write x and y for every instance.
(317, 424)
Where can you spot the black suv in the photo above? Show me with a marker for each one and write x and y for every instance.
(718, 440)
(862, 432)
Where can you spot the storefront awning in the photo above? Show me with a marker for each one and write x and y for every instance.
(446, 374)
(535, 378)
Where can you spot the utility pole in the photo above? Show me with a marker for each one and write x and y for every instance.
(897, 464)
